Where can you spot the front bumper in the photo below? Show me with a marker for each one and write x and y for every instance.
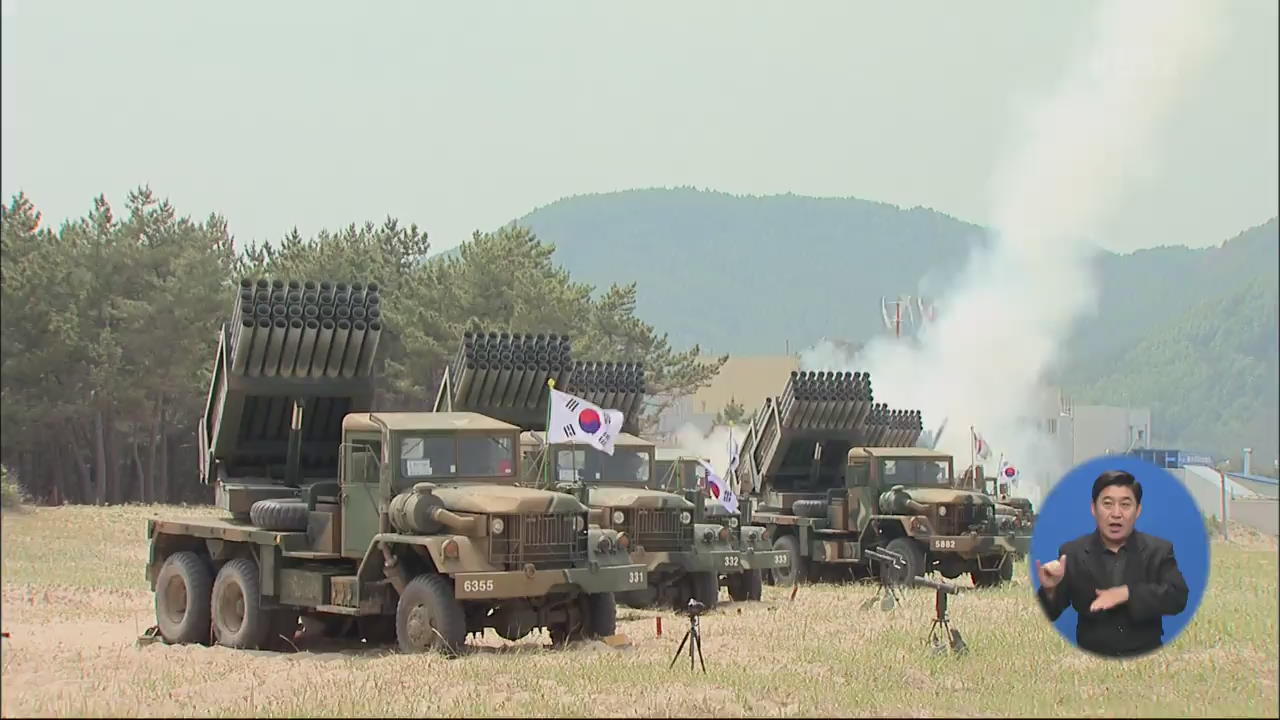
(536, 583)
(974, 545)
(718, 560)
(765, 559)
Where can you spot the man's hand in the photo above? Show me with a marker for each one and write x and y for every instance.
(1110, 598)
(1051, 573)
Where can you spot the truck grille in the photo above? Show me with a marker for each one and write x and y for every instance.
(658, 530)
(546, 540)
(963, 517)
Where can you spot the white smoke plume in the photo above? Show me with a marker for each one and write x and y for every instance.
(713, 446)
(1007, 316)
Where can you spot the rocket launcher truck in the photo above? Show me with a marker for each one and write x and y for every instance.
(682, 470)
(392, 526)
(831, 474)
(504, 375)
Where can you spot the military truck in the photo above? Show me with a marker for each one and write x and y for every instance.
(833, 474)
(680, 470)
(1011, 510)
(504, 375)
(404, 526)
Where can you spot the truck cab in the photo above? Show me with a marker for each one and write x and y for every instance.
(683, 556)
(682, 471)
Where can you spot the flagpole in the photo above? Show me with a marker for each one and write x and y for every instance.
(546, 435)
(973, 463)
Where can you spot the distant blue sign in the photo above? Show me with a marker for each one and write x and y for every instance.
(1172, 458)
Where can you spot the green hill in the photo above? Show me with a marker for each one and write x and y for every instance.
(1211, 376)
(743, 274)
(758, 275)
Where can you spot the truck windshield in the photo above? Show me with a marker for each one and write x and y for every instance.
(423, 456)
(589, 465)
(911, 471)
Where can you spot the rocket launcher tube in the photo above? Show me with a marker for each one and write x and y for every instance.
(337, 346)
(244, 343)
(368, 347)
(323, 342)
(351, 358)
(290, 353)
(306, 347)
(275, 346)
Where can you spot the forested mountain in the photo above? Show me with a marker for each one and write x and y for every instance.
(1211, 376)
(750, 275)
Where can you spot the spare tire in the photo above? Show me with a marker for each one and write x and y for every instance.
(279, 514)
(810, 508)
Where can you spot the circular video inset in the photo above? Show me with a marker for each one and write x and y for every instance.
(1119, 557)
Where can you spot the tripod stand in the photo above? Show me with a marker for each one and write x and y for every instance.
(941, 626)
(691, 636)
(889, 576)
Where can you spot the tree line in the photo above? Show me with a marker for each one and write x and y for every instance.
(109, 329)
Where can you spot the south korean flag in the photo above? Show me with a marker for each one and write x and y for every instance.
(576, 421)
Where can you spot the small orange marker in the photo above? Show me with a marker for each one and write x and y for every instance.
(794, 589)
(659, 626)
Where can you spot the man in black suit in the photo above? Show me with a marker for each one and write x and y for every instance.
(1120, 581)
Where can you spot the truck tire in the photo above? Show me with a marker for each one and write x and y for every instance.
(809, 508)
(746, 586)
(910, 551)
(239, 620)
(279, 514)
(602, 615)
(183, 589)
(598, 613)
(797, 570)
(993, 578)
(429, 617)
(284, 627)
(705, 588)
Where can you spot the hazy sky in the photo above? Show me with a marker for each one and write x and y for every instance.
(462, 116)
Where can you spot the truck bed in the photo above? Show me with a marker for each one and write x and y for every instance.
(291, 543)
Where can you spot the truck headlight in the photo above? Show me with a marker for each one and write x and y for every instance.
(685, 518)
(604, 546)
(733, 522)
(497, 526)
(942, 511)
(618, 517)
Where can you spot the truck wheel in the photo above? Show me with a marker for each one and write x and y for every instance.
(705, 588)
(595, 616)
(183, 589)
(429, 617)
(239, 621)
(993, 578)
(284, 626)
(809, 508)
(602, 615)
(285, 514)
(746, 585)
(797, 570)
(910, 551)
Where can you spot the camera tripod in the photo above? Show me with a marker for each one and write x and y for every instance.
(691, 636)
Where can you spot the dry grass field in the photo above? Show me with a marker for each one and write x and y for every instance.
(75, 600)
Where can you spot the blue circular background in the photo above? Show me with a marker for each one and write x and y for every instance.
(1168, 511)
